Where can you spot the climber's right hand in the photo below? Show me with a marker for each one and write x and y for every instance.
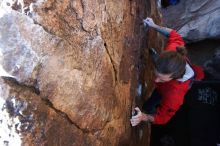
(149, 22)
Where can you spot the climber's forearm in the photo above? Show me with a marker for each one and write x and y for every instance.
(163, 30)
(151, 118)
(147, 118)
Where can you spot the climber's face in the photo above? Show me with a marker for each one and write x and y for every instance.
(162, 77)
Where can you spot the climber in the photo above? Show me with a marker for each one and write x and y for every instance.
(173, 77)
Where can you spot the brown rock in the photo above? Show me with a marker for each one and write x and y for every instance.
(39, 123)
(88, 59)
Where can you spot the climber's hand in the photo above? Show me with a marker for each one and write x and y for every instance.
(149, 22)
(136, 119)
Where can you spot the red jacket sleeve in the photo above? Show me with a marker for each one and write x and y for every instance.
(174, 41)
(198, 71)
(168, 107)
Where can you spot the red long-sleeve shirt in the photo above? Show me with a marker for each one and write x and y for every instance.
(173, 91)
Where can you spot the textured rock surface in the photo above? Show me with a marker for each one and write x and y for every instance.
(212, 66)
(37, 122)
(194, 20)
(206, 54)
(86, 61)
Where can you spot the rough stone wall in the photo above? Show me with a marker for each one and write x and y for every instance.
(80, 67)
(194, 20)
(206, 54)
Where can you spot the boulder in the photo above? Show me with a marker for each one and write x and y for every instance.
(212, 66)
(194, 20)
(78, 67)
(33, 121)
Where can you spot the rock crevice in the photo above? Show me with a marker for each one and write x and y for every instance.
(113, 66)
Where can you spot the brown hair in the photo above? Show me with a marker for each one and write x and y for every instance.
(172, 62)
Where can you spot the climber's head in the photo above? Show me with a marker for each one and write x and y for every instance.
(170, 65)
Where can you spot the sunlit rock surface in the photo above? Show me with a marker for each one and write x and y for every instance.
(194, 20)
(79, 68)
(32, 122)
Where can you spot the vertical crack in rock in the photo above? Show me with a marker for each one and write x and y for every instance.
(112, 62)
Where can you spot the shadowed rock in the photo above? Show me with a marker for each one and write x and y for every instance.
(194, 20)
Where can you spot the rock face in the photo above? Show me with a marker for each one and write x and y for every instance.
(206, 54)
(41, 124)
(78, 65)
(212, 66)
(194, 20)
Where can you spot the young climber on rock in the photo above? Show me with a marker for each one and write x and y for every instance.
(173, 77)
